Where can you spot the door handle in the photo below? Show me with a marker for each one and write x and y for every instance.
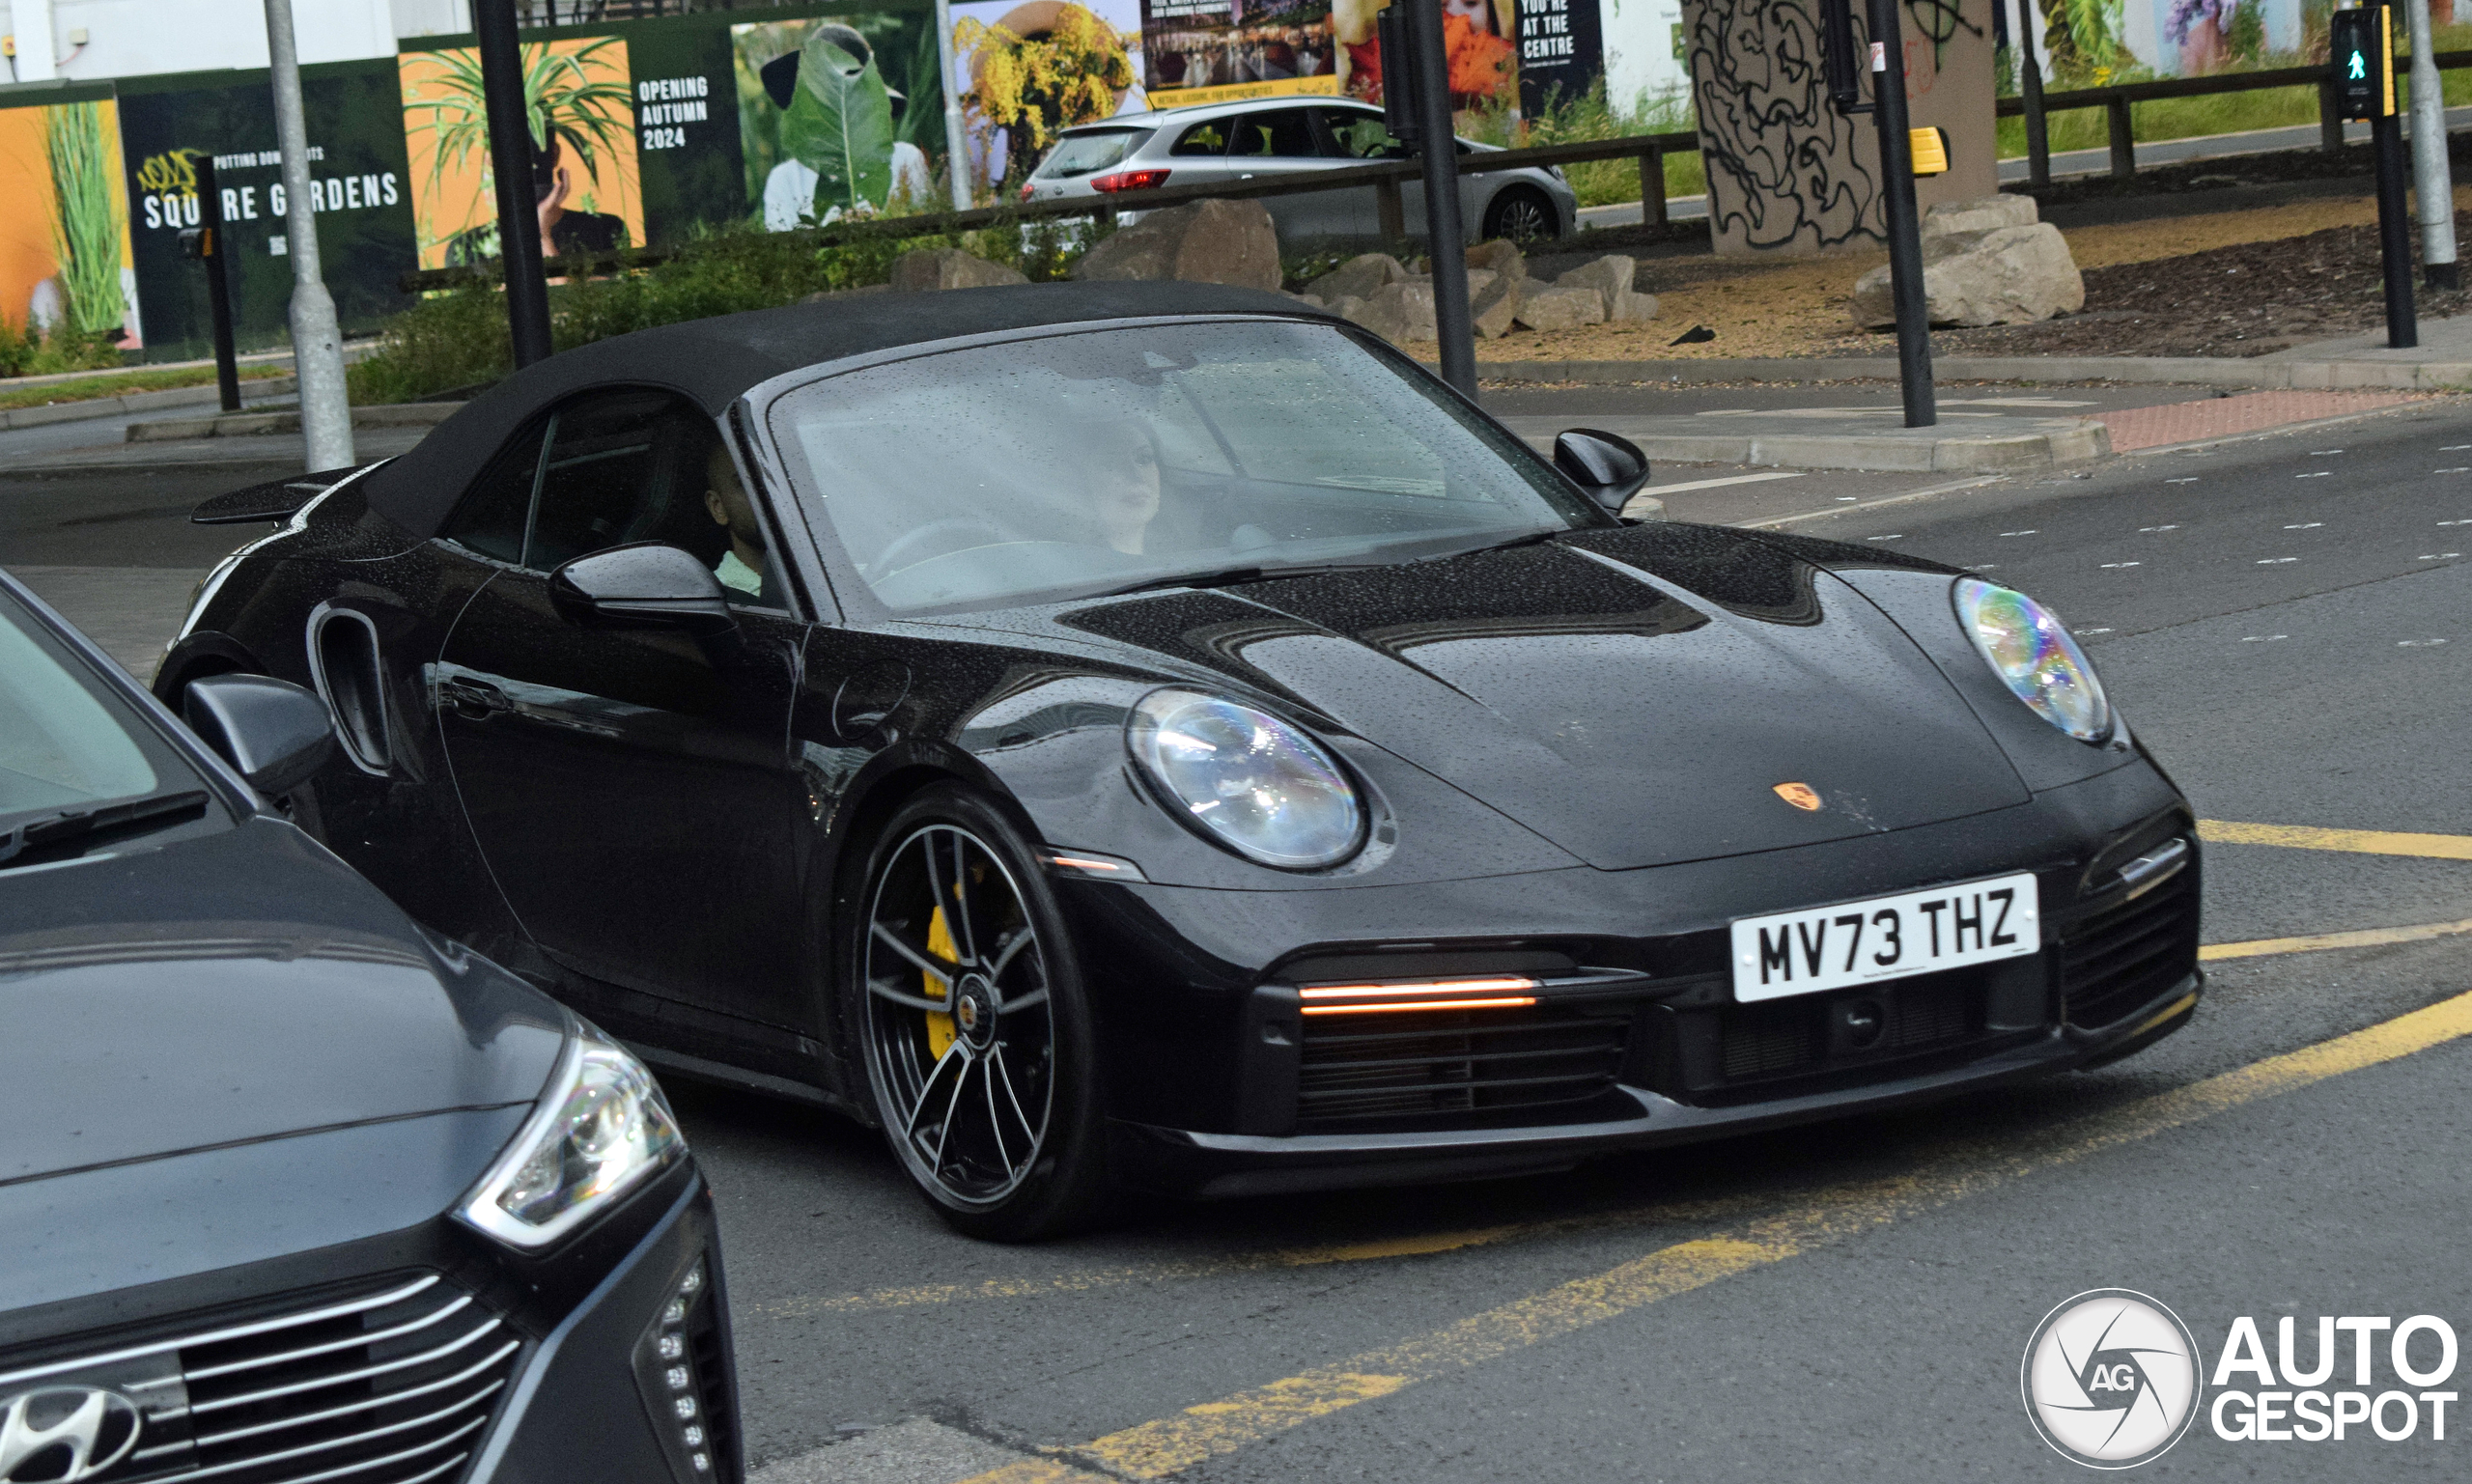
(474, 700)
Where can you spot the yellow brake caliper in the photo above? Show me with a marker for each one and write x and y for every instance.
(940, 943)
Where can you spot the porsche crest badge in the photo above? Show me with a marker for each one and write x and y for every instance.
(1802, 796)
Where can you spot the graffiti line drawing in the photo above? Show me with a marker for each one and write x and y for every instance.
(1783, 167)
(1940, 21)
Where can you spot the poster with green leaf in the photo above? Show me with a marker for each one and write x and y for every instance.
(839, 125)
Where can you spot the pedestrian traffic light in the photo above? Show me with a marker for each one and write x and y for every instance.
(2361, 47)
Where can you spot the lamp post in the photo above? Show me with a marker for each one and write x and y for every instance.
(317, 340)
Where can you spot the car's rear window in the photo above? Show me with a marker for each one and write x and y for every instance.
(1081, 463)
(1080, 154)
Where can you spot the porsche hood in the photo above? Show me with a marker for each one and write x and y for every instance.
(1638, 697)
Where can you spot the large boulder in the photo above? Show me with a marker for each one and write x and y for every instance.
(1399, 312)
(1984, 214)
(1494, 306)
(1205, 243)
(1500, 255)
(1560, 306)
(2006, 275)
(1358, 277)
(1611, 277)
(948, 267)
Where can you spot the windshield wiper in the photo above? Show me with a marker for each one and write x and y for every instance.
(40, 838)
(1230, 576)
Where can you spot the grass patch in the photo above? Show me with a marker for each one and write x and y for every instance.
(121, 383)
(1589, 116)
(458, 338)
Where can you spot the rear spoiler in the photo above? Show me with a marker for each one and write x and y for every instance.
(278, 499)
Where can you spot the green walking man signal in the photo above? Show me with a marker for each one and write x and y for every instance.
(2363, 46)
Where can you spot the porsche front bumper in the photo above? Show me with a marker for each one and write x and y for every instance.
(1220, 1087)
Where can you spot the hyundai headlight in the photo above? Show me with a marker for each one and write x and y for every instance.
(2029, 651)
(603, 1129)
(1247, 779)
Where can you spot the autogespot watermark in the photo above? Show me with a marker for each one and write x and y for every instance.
(2113, 1379)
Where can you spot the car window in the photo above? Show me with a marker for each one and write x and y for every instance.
(1090, 461)
(59, 745)
(1079, 154)
(1360, 135)
(1209, 137)
(491, 516)
(1282, 132)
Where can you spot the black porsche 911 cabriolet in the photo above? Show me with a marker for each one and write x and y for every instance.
(1156, 737)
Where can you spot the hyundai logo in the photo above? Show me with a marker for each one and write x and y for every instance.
(63, 1434)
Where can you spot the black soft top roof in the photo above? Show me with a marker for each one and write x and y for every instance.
(713, 361)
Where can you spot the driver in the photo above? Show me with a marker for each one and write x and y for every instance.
(1122, 483)
(745, 567)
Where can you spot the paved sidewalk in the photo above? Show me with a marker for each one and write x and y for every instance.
(2220, 417)
(1873, 438)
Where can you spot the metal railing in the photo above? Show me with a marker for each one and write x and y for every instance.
(1385, 177)
(2116, 100)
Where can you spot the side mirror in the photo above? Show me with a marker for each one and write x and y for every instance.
(1609, 469)
(274, 733)
(647, 585)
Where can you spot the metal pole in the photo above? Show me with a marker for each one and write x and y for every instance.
(1446, 244)
(2433, 179)
(2394, 233)
(2030, 89)
(1904, 221)
(528, 294)
(317, 340)
(218, 286)
(956, 136)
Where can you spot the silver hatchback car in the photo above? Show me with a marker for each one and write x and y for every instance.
(1211, 143)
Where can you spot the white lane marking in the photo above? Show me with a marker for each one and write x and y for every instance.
(2147, 529)
(1730, 479)
(2089, 631)
(2010, 402)
(2190, 480)
(2320, 453)
(2262, 638)
(1900, 536)
(2417, 643)
(2448, 448)
(2305, 525)
(2436, 556)
(2110, 566)
(2327, 473)
(2468, 469)
(2456, 522)
(2275, 561)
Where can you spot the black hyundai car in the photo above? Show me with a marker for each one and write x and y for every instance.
(292, 1190)
(1155, 736)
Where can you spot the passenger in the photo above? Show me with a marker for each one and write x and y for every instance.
(746, 566)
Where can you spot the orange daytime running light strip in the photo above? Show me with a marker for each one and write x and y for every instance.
(1438, 987)
(1085, 862)
(1506, 1003)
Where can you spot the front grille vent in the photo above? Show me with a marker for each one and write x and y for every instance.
(2121, 959)
(393, 1385)
(1420, 1064)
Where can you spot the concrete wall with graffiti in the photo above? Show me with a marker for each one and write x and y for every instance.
(1789, 175)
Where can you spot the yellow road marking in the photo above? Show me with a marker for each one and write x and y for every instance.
(2305, 838)
(1158, 1450)
(2366, 938)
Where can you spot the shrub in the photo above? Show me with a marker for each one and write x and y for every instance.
(459, 338)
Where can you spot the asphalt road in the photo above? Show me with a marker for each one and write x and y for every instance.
(2287, 621)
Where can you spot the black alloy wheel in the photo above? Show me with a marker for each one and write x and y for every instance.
(1522, 214)
(971, 1023)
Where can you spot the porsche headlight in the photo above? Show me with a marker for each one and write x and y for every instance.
(1247, 779)
(2035, 656)
(603, 1129)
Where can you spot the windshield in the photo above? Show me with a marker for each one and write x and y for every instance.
(1087, 462)
(1080, 154)
(61, 746)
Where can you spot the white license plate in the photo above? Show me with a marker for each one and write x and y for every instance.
(1886, 937)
